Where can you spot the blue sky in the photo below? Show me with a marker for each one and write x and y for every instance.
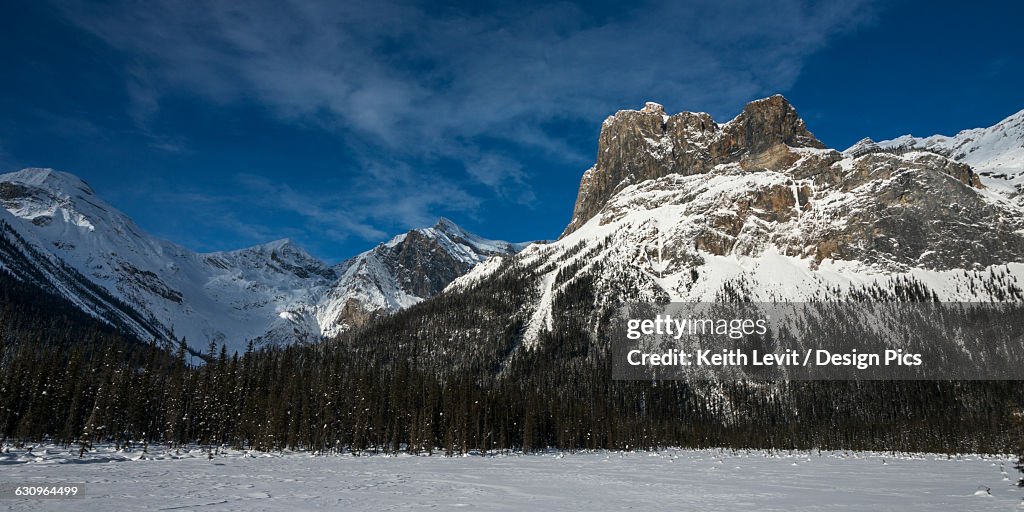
(225, 124)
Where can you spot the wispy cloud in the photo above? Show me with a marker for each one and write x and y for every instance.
(244, 207)
(319, 211)
(410, 83)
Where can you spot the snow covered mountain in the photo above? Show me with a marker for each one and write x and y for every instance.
(682, 208)
(676, 208)
(996, 152)
(404, 271)
(56, 233)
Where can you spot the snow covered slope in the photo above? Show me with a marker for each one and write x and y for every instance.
(229, 297)
(23, 255)
(403, 271)
(996, 152)
(58, 234)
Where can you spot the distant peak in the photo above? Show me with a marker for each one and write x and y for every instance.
(450, 228)
(862, 147)
(445, 227)
(446, 224)
(278, 244)
(48, 179)
(283, 249)
(456, 238)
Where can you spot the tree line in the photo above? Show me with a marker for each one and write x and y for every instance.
(449, 376)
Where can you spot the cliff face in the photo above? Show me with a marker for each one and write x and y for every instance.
(764, 181)
(636, 146)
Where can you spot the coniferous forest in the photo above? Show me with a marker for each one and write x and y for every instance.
(447, 376)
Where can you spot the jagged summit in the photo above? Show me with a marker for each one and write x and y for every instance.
(281, 256)
(449, 228)
(639, 145)
(477, 244)
(765, 123)
(446, 224)
(277, 244)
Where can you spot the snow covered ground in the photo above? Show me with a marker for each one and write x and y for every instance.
(666, 480)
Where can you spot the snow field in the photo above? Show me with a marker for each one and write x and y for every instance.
(672, 479)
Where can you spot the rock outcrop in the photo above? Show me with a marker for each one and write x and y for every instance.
(636, 146)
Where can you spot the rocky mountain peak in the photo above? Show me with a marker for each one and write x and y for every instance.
(447, 226)
(404, 271)
(280, 243)
(765, 123)
(640, 145)
(283, 246)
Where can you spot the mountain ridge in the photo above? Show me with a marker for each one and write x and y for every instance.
(996, 152)
(270, 293)
(675, 208)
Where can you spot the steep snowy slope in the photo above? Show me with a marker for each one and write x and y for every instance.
(681, 208)
(996, 152)
(222, 298)
(58, 234)
(21, 256)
